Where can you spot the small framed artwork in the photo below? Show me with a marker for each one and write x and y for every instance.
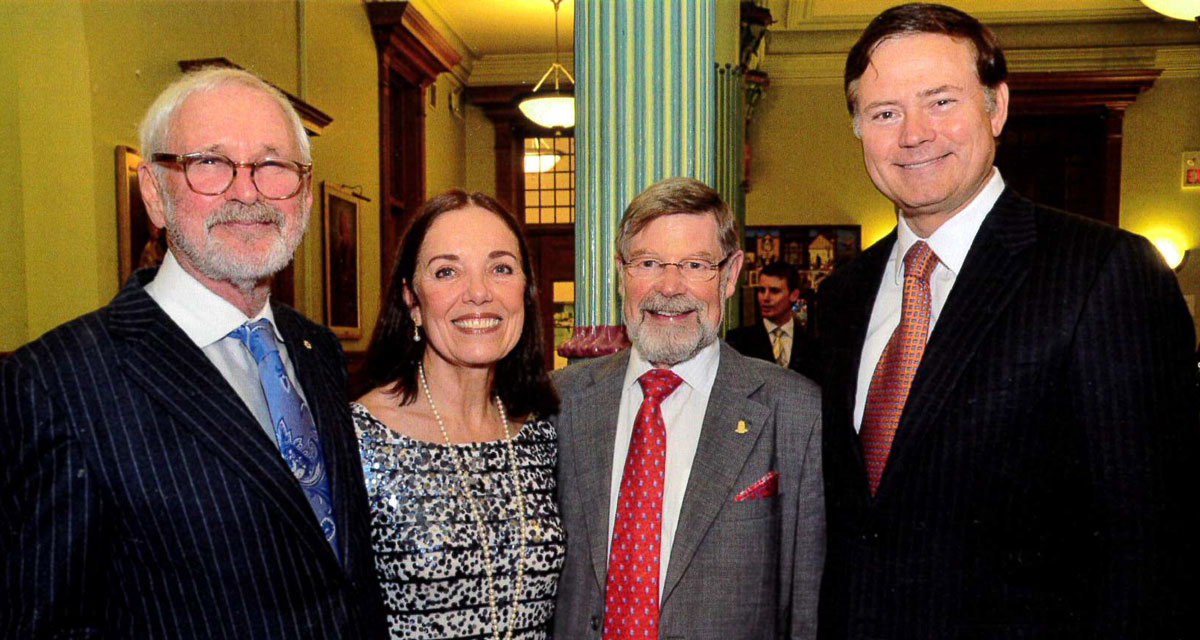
(139, 242)
(815, 250)
(343, 267)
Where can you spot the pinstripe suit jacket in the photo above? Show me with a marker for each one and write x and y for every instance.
(141, 499)
(745, 570)
(1037, 484)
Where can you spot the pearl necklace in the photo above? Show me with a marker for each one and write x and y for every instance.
(488, 568)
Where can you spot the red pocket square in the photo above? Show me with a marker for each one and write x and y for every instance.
(765, 487)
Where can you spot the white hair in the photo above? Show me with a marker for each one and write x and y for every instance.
(155, 129)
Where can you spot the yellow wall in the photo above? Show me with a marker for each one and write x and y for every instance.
(1159, 127)
(806, 164)
(480, 152)
(13, 314)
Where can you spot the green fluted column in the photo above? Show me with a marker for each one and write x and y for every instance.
(644, 110)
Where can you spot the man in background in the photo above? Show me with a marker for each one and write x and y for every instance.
(181, 463)
(1009, 409)
(689, 475)
(777, 337)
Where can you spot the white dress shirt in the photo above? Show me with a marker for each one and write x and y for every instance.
(785, 336)
(207, 319)
(683, 414)
(950, 243)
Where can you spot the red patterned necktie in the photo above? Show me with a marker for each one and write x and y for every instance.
(898, 364)
(631, 590)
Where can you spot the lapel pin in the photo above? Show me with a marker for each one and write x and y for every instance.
(307, 344)
(741, 428)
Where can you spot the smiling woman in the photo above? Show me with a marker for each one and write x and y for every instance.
(457, 454)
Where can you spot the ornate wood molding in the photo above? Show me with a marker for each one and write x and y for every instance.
(1062, 91)
(401, 31)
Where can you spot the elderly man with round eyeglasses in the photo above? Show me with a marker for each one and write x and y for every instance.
(181, 463)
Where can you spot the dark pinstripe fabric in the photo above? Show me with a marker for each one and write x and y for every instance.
(1038, 485)
(140, 498)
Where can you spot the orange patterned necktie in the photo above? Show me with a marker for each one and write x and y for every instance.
(898, 364)
(631, 589)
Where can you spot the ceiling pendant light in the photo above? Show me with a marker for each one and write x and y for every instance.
(1179, 9)
(552, 109)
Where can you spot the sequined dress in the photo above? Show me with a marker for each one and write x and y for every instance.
(427, 552)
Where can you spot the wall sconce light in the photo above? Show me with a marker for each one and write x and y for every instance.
(1172, 253)
(1178, 9)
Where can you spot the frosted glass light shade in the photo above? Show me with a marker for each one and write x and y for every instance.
(1180, 9)
(540, 162)
(550, 109)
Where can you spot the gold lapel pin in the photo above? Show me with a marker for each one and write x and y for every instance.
(741, 428)
(307, 344)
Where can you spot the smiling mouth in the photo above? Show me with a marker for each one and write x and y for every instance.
(669, 316)
(477, 324)
(920, 165)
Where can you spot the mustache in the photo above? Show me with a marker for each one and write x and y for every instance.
(258, 212)
(659, 303)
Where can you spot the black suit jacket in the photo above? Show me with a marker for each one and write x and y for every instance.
(752, 340)
(1038, 484)
(141, 499)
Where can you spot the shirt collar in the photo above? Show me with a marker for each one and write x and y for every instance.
(951, 241)
(787, 326)
(202, 314)
(697, 373)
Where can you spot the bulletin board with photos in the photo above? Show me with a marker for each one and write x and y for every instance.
(815, 250)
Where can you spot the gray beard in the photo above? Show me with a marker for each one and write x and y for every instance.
(676, 344)
(214, 260)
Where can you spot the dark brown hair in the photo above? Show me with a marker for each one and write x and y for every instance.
(921, 17)
(780, 269)
(520, 378)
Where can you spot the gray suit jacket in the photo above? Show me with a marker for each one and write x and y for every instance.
(747, 569)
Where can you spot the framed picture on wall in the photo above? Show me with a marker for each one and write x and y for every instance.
(815, 250)
(139, 242)
(343, 262)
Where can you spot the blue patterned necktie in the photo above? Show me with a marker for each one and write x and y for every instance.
(294, 427)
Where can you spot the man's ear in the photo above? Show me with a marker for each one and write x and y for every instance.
(999, 114)
(735, 270)
(794, 295)
(153, 194)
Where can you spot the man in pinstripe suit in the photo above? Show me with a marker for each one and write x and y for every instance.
(142, 489)
(1008, 404)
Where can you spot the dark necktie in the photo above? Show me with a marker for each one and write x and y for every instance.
(293, 423)
(631, 590)
(898, 364)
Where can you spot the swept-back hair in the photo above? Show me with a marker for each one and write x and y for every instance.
(392, 357)
(922, 17)
(155, 130)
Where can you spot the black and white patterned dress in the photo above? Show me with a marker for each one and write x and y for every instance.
(427, 551)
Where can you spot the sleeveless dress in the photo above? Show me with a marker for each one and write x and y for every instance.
(428, 555)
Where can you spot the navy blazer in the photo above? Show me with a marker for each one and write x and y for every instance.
(141, 499)
(752, 340)
(1040, 482)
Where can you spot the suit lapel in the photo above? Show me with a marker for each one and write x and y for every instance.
(842, 342)
(995, 267)
(720, 455)
(160, 358)
(594, 415)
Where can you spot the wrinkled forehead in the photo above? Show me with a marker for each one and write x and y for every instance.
(231, 119)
